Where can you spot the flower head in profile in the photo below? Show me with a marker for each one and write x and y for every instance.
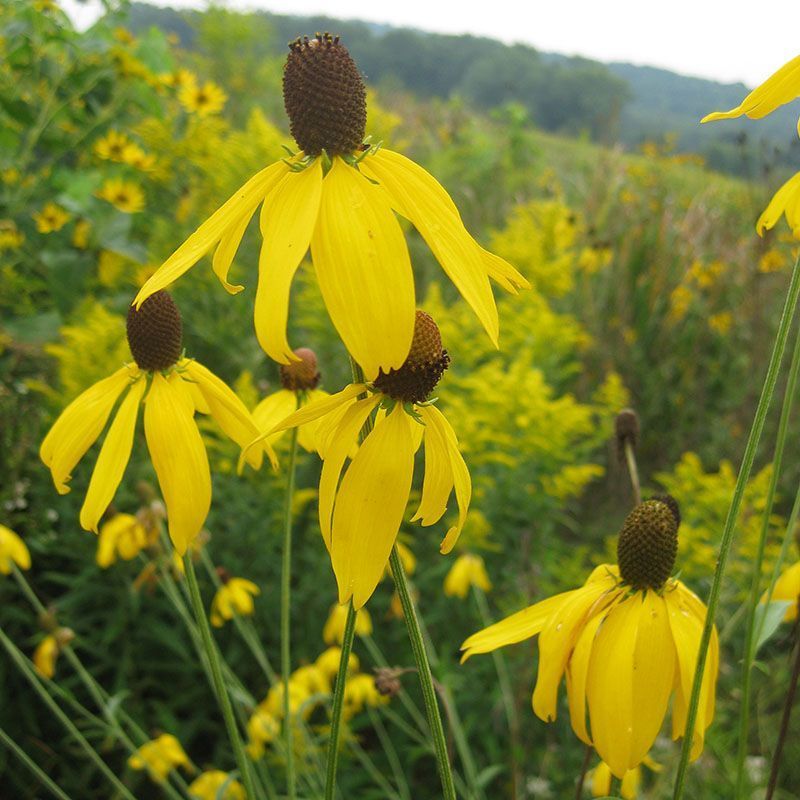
(172, 388)
(467, 571)
(627, 640)
(123, 536)
(361, 516)
(233, 598)
(340, 197)
(12, 551)
(263, 727)
(333, 632)
(49, 648)
(159, 757)
(601, 779)
(214, 784)
(360, 691)
(787, 590)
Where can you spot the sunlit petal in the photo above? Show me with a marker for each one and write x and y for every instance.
(272, 410)
(438, 481)
(785, 201)
(577, 671)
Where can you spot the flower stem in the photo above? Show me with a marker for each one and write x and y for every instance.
(338, 701)
(752, 604)
(32, 766)
(425, 677)
(219, 682)
(286, 607)
(733, 512)
(633, 472)
(587, 758)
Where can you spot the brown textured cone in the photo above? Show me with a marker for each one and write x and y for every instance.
(324, 96)
(155, 332)
(422, 369)
(626, 429)
(301, 375)
(648, 543)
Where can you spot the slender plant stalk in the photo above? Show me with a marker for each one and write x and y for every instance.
(286, 607)
(752, 604)
(633, 471)
(425, 677)
(587, 758)
(30, 674)
(787, 712)
(733, 513)
(391, 753)
(338, 702)
(40, 774)
(219, 682)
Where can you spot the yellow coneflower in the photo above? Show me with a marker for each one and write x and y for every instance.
(47, 651)
(629, 788)
(80, 234)
(786, 590)
(12, 549)
(328, 661)
(111, 147)
(627, 640)
(467, 571)
(360, 691)
(215, 784)
(11, 238)
(263, 727)
(333, 631)
(202, 100)
(159, 757)
(51, 218)
(233, 598)
(134, 156)
(123, 536)
(173, 388)
(339, 197)
(178, 79)
(360, 518)
(125, 196)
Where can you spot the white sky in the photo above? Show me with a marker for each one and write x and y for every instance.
(726, 40)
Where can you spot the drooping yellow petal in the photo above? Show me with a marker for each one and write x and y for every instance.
(288, 217)
(369, 507)
(500, 271)
(785, 201)
(226, 220)
(609, 684)
(781, 87)
(272, 410)
(307, 434)
(229, 412)
(113, 458)
(577, 671)
(364, 271)
(513, 629)
(340, 447)
(558, 637)
(79, 425)
(787, 587)
(419, 197)
(12, 548)
(179, 458)
(653, 675)
(225, 252)
(438, 481)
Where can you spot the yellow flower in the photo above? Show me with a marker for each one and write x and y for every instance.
(124, 536)
(262, 728)
(111, 146)
(781, 87)
(787, 588)
(627, 640)
(51, 218)
(12, 548)
(601, 779)
(45, 655)
(10, 237)
(312, 679)
(360, 691)
(333, 632)
(233, 598)
(178, 79)
(123, 195)
(134, 156)
(173, 388)
(772, 261)
(159, 757)
(341, 200)
(786, 201)
(360, 518)
(209, 786)
(721, 323)
(328, 661)
(80, 234)
(467, 571)
(202, 100)
(299, 695)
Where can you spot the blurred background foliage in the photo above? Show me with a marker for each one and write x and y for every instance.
(650, 289)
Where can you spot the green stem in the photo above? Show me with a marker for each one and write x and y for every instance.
(27, 670)
(752, 605)
(338, 702)
(633, 472)
(286, 607)
(733, 512)
(425, 677)
(391, 753)
(32, 766)
(219, 682)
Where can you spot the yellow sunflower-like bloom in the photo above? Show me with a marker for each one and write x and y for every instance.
(467, 571)
(787, 589)
(360, 691)
(360, 518)
(626, 640)
(780, 88)
(328, 661)
(45, 655)
(172, 388)
(159, 757)
(216, 785)
(202, 100)
(333, 632)
(125, 196)
(233, 598)
(263, 727)
(12, 549)
(123, 536)
(51, 218)
(601, 779)
(340, 198)
(785, 201)
(111, 146)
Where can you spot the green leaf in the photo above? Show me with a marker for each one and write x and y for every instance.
(768, 619)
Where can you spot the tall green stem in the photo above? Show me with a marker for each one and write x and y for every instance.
(733, 512)
(338, 702)
(286, 607)
(755, 586)
(32, 766)
(219, 682)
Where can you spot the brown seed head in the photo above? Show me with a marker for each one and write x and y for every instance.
(302, 375)
(155, 332)
(422, 369)
(626, 429)
(387, 681)
(324, 96)
(648, 543)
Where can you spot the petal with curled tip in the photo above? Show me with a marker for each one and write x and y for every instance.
(785, 201)
(272, 410)
(438, 481)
